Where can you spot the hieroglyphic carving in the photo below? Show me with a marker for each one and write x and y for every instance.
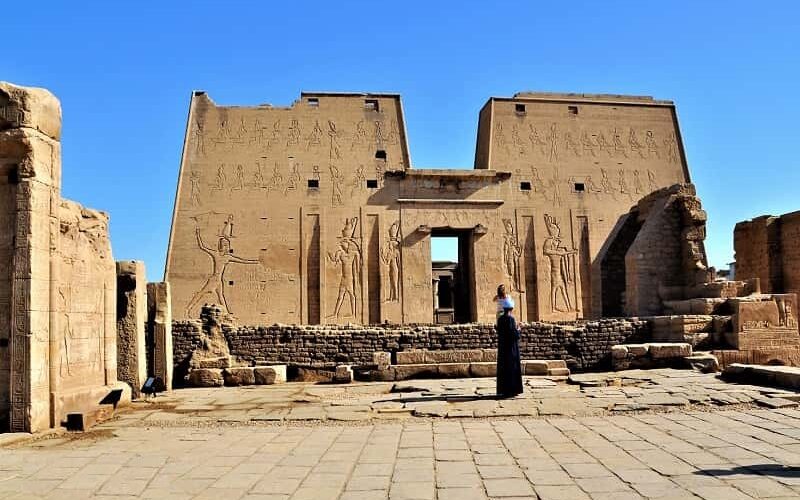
(276, 180)
(638, 187)
(315, 137)
(603, 145)
(605, 182)
(623, 183)
(535, 139)
(785, 314)
(394, 133)
(294, 178)
(223, 134)
(671, 146)
(538, 183)
(194, 192)
(239, 183)
(562, 267)
(359, 137)
(619, 148)
(359, 181)
(257, 137)
(294, 133)
(571, 144)
(221, 256)
(651, 179)
(335, 152)
(336, 187)
(378, 134)
(258, 177)
(221, 177)
(390, 255)
(591, 187)
(512, 252)
(275, 136)
(519, 145)
(587, 144)
(555, 185)
(65, 306)
(652, 147)
(347, 259)
(552, 140)
(199, 138)
(634, 144)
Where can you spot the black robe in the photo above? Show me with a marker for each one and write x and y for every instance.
(509, 369)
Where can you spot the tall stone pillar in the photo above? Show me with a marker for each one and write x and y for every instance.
(159, 333)
(131, 315)
(30, 169)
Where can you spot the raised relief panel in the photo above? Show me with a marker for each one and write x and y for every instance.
(345, 264)
(562, 268)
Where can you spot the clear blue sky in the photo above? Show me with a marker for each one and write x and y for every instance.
(124, 71)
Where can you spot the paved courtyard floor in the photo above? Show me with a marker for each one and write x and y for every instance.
(724, 442)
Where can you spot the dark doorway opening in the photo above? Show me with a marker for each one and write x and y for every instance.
(453, 276)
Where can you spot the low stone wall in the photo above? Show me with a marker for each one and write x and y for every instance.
(583, 345)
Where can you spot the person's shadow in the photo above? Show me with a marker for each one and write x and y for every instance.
(775, 470)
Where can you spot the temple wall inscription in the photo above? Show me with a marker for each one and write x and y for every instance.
(312, 213)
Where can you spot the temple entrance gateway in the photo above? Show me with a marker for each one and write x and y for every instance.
(453, 283)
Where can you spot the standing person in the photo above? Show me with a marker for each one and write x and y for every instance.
(498, 299)
(509, 369)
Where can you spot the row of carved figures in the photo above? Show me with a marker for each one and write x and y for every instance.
(550, 142)
(630, 184)
(290, 134)
(232, 178)
(347, 258)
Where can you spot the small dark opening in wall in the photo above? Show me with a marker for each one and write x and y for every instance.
(525, 186)
(230, 282)
(3, 342)
(579, 187)
(380, 154)
(313, 102)
(573, 110)
(13, 175)
(371, 105)
(372, 183)
(520, 109)
(313, 184)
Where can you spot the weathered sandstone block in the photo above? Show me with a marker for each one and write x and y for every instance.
(268, 375)
(159, 328)
(30, 107)
(239, 376)
(131, 316)
(206, 377)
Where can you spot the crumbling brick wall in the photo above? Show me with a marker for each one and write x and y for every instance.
(668, 255)
(584, 345)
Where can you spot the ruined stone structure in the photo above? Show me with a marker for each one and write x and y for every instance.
(768, 248)
(131, 317)
(313, 214)
(57, 278)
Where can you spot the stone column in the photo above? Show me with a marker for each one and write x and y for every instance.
(30, 167)
(159, 333)
(131, 314)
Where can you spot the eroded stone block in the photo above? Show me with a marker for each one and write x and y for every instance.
(30, 107)
(206, 377)
(239, 376)
(131, 317)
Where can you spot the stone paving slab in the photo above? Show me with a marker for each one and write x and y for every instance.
(719, 454)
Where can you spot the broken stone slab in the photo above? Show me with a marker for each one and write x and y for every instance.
(216, 362)
(206, 377)
(662, 350)
(454, 370)
(483, 369)
(268, 375)
(703, 362)
(776, 402)
(343, 374)
(535, 367)
(239, 376)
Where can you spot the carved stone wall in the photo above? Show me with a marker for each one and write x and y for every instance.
(313, 214)
(159, 333)
(584, 345)
(57, 276)
(131, 317)
(767, 248)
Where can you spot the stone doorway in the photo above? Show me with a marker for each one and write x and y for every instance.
(453, 279)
